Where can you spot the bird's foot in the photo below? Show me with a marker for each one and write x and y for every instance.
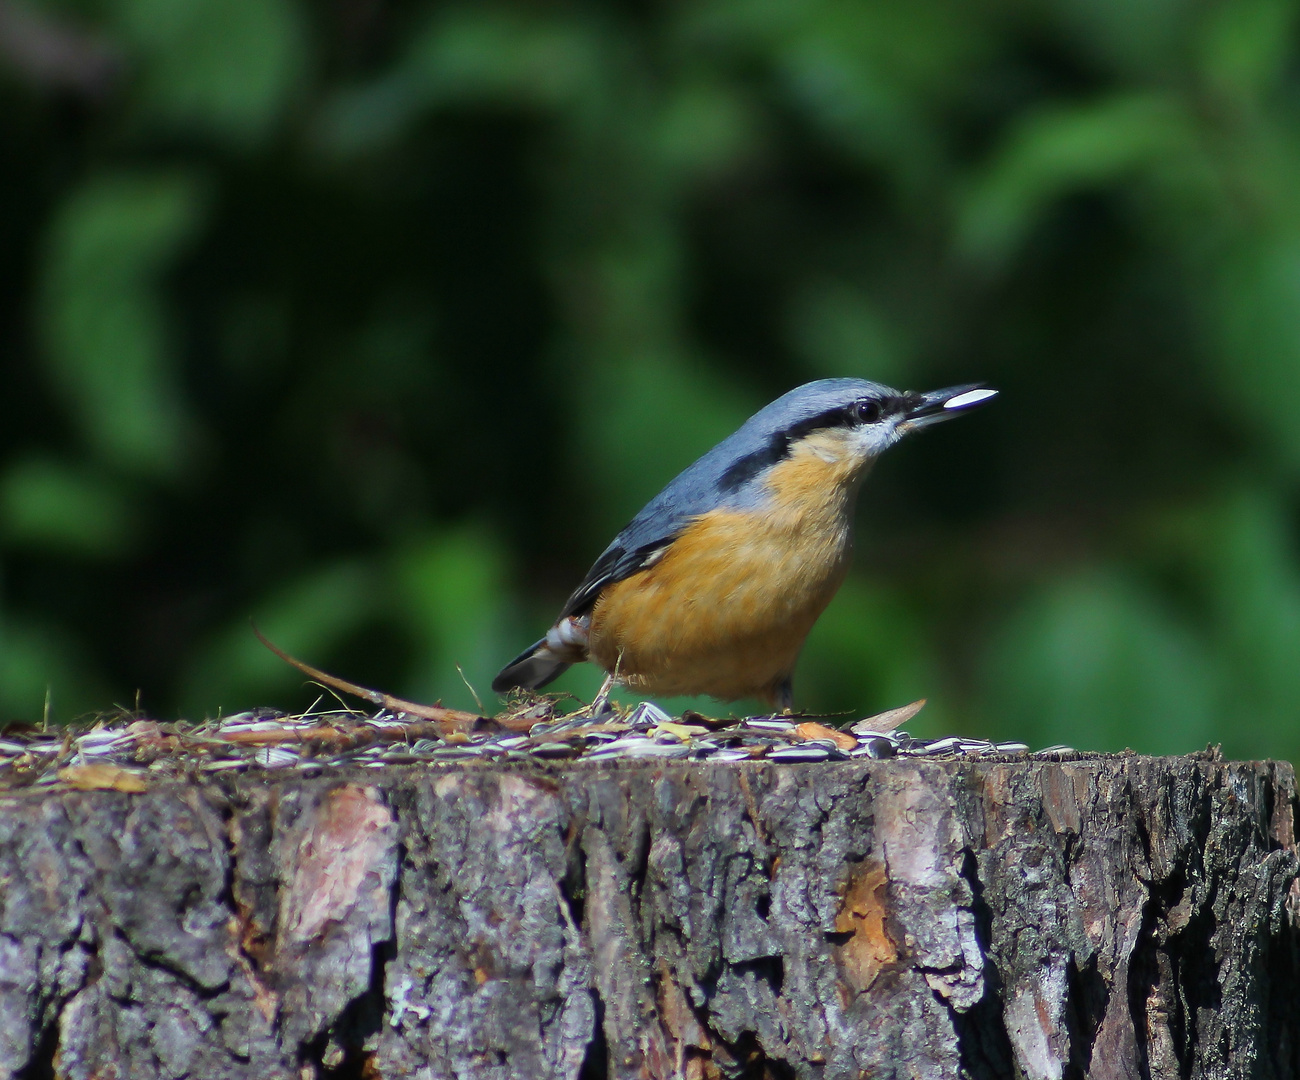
(601, 701)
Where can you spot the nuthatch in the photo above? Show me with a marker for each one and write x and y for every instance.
(713, 587)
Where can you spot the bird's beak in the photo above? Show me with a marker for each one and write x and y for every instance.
(923, 410)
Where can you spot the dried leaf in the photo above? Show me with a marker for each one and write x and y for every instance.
(682, 732)
(103, 777)
(810, 730)
(887, 721)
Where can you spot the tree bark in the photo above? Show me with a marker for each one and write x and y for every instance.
(1108, 917)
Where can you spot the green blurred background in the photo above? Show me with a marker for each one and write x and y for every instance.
(374, 320)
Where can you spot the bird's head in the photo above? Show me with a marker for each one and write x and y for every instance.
(847, 423)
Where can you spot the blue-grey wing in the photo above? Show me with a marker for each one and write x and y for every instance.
(635, 548)
(647, 535)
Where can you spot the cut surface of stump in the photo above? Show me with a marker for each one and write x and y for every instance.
(1118, 916)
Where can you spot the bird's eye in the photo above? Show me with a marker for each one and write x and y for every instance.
(867, 412)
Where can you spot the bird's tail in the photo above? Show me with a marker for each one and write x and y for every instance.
(564, 645)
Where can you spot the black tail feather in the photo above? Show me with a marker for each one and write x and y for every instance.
(532, 669)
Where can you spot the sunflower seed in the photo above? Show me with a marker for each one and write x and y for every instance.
(935, 746)
(648, 714)
(800, 752)
(609, 748)
(261, 725)
(450, 753)
(641, 748)
(275, 757)
(225, 763)
(511, 741)
(103, 742)
(553, 750)
(249, 717)
(879, 747)
(731, 754)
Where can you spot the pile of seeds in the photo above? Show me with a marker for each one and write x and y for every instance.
(123, 754)
(647, 731)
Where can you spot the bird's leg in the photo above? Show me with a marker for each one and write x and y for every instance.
(602, 695)
(783, 699)
(598, 703)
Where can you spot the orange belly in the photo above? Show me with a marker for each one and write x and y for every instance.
(726, 610)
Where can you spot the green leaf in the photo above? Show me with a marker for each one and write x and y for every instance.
(1246, 46)
(1095, 662)
(861, 72)
(39, 665)
(232, 671)
(1136, 40)
(228, 67)
(1253, 320)
(1247, 559)
(102, 320)
(1058, 150)
(704, 128)
(51, 506)
(838, 331)
(448, 589)
(649, 414)
(481, 54)
(869, 652)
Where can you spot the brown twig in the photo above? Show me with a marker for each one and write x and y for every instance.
(333, 737)
(327, 736)
(453, 718)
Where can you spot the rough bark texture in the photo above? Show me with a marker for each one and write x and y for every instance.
(1118, 917)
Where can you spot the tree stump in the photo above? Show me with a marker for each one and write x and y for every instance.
(1107, 917)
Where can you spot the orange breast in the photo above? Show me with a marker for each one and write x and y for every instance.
(726, 610)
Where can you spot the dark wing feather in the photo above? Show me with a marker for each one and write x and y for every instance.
(614, 564)
(660, 522)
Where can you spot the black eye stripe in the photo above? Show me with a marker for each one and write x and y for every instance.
(741, 471)
(872, 410)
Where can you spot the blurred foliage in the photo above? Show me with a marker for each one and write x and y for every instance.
(373, 320)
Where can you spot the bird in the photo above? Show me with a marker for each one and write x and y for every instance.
(712, 588)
